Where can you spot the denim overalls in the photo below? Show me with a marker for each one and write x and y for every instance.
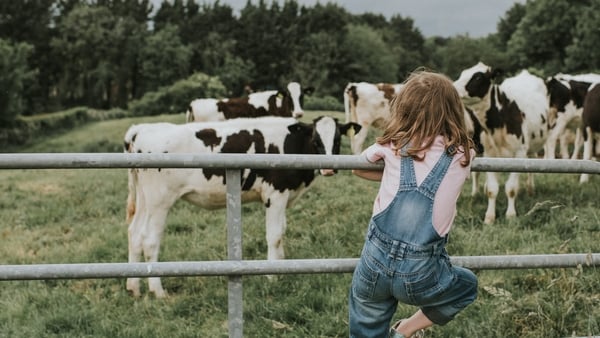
(404, 259)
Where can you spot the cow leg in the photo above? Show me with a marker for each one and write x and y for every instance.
(564, 145)
(512, 189)
(577, 144)
(474, 183)
(587, 151)
(491, 188)
(134, 233)
(359, 139)
(276, 225)
(151, 245)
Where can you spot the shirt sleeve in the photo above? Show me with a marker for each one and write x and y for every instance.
(374, 153)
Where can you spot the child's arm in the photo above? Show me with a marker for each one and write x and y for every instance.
(371, 175)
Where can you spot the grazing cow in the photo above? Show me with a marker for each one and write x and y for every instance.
(156, 190)
(514, 119)
(591, 125)
(284, 103)
(367, 104)
(566, 95)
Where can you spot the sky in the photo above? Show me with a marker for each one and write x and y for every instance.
(445, 18)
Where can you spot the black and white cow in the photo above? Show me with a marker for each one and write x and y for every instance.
(514, 119)
(590, 123)
(566, 95)
(367, 104)
(284, 103)
(152, 192)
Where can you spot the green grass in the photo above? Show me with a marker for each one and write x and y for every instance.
(78, 216)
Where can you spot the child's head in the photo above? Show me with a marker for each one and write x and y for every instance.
(428, 105)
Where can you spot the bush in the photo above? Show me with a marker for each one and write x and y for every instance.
(176, 98)
(322, 103)
(25, 129)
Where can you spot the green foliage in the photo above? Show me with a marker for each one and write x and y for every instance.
(175, 99)
(328, 103)
(164, 59)
(543, 34)
(25, 130)
(367, 55)
(14, 74)
(583, 54)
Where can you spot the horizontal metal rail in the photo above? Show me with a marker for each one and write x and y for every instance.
(265, 267)
(266, 161)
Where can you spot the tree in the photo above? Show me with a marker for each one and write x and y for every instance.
(583, 54)
(164, 59)
(31, 22)
(98, 51)
(509, 22)
(14, 74)
(543, 34)
(406, 43)
(367, 57)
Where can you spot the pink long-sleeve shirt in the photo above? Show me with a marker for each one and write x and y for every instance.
(444, 205)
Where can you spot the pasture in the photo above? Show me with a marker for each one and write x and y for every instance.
(78, 216)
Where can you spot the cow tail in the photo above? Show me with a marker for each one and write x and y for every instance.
(350, 111)
(189, 115)
(347, 104)
(132, 178)
(131, 196)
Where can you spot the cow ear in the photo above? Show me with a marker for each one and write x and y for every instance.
(345, 128)
(300, 128)
(308, 90)
(496, 72)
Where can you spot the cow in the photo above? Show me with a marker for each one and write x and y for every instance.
(566, 95)
(590, 124)
(284, 103)
(152, 192)
(367, 104)
(514, 117)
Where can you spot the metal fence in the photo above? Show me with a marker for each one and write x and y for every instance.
(235, 267)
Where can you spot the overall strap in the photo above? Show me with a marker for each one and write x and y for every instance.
(430, 185)
(408, 179)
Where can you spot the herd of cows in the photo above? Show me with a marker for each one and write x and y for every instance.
(522, 116)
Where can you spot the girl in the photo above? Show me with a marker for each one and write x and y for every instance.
(427, 154)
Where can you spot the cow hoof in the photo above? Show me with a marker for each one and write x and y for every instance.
(489, 219)
(133, 286)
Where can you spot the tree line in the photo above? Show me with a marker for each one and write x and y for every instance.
(56, 54)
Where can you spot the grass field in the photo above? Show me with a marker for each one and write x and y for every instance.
(78, 216)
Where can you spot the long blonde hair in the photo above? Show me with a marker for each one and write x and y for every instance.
(427, 106)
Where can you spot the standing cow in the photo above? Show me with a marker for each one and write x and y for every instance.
(514, 116)
(284, 103)
(152, 192)
(566, 94)
(367, 104)
(591, 125)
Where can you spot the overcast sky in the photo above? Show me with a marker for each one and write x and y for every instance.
(432, 17)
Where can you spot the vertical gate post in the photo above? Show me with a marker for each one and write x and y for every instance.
(235, 304)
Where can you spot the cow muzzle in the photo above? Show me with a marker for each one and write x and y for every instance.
(297, 114)
(328, 172)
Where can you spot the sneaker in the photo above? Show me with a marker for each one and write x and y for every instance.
(395, 334)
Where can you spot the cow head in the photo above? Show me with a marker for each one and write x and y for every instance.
(476, 81)
(293, 97)
(323, 136)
